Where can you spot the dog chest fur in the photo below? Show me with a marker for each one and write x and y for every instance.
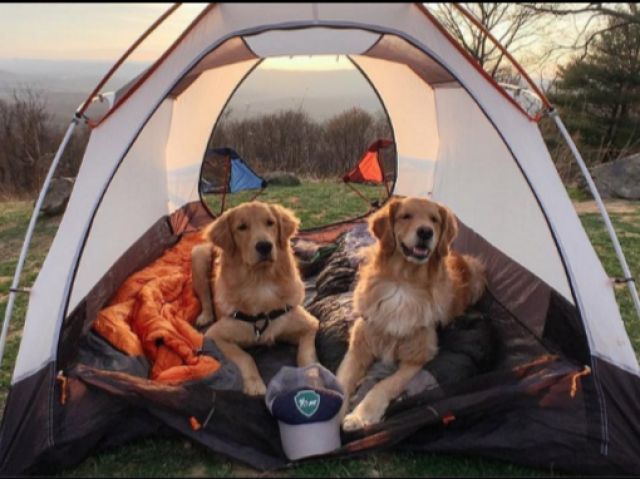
(399, 309)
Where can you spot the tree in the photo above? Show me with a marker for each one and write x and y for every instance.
(346, 137)
(599, 94)
(597, 17)
(28, 140)
(518, 29)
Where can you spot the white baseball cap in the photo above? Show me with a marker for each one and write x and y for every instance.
(306, 402)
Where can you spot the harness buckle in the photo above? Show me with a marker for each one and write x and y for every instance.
(258, 330)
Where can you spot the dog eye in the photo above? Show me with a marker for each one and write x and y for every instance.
(406, 216)
(434, 219)
(270, 223)
(242, 227)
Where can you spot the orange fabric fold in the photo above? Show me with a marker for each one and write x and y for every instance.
(152, 314)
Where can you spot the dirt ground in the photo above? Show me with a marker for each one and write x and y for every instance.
(613, 206)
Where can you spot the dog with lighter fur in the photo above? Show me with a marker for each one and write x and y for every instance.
(410, 282)
(247, 270)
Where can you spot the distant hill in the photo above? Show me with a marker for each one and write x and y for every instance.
(66, 83)
(321, 93)
(65, 75)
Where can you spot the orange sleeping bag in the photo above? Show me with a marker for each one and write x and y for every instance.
(152, 314)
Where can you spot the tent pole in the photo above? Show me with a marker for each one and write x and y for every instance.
(32, 223)
(603, 211)
(126, 55)
(384, 175)
(226, 183)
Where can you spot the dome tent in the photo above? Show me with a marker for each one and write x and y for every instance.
(454, 129)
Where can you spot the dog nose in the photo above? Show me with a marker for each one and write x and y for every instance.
(424, 233)
(264, 247)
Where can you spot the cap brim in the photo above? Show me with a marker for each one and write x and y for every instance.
(310, 439)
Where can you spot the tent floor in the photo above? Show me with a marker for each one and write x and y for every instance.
(490, 366)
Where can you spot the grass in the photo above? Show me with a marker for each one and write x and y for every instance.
(316, 204)
(577, 194)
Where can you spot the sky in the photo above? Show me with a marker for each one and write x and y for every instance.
(81, 31)
(101, 31)
(88, 30)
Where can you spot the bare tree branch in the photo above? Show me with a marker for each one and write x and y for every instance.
(597, 16)
(515, 28)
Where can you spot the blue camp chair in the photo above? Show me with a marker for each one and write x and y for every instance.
(238, 175)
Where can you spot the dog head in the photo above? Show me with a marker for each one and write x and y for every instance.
(416, 228)
(254, 232)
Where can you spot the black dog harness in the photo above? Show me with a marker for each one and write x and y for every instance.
(266, 317)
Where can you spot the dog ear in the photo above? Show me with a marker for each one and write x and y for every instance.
(220, 233)
(288, 224)
(449, 231)
(382, 223)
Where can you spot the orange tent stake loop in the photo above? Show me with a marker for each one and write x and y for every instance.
(195, 424)
(63, 387)
(449, 418)
(574, 380)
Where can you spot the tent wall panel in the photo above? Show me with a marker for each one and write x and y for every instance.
(593, 288)
(48, 298)
(133, 202)
(411, 106)
(194, 115)
(500, 207)
(392, 48)
(29, 402)
(621, 392)
(146, 249)
(232, 51)
(316, 41)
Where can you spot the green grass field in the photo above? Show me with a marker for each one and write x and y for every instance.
(316, 204)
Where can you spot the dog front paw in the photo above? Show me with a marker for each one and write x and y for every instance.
(360, 420)
(254, 387)
(353, 422)
(204, 319)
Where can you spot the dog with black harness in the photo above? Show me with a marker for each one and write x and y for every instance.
(246, 276)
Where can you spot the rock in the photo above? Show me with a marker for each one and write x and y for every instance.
(282, 178)
(618, 179)
(57, 196)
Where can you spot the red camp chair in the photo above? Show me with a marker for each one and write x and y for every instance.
(369, 169)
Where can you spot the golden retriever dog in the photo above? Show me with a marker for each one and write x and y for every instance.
(410, 282)
(255, 285)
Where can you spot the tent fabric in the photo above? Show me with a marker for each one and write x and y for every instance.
(410, 103)
(529, 372)
(549, 378)
(137, 193)
(404, 21)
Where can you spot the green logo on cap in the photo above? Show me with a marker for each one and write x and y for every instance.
(307, 402)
